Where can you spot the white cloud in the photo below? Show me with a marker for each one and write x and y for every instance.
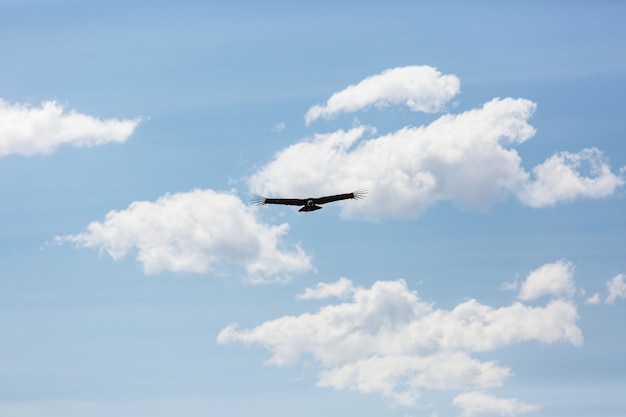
(616, 287)
(555, 279)
(196, 232)
(444, 370)
(27, 130)
(421, 88)
(594, 299)
(467, 158)
(387, 340)
(457, 157)
(560, 179)
(341, 288)
(477, 403)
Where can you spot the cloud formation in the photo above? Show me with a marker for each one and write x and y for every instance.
(196, 231)
(478, 403)
(388, 341)
(27, 130)
(560, 178)
(594, 299)
(555, 279)
(467, 158)
(616, 288)
(420, 88)
(339, 289)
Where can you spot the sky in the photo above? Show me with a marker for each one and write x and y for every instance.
(484, 273)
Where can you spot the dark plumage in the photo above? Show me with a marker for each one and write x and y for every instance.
(308, 204)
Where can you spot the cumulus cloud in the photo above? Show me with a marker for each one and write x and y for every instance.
(616, 287)
(561, 178)
(27, 130)
(554, 279)
(468, 158)
(421, 88)
(478, 403)
(444, 370)
(457, 157)
(197, 232)
(386, 340)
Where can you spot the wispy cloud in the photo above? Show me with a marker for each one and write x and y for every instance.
(478, 403)
(340, 289)
(388, 341)
(196, 231)
(421, 88)
(27, 130)
(594, 299)
(616, 288)
(467, 158)
(279, 127)
(510, 285)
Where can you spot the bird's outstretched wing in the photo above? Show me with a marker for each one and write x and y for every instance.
(329, 199)
(259, 201)
(312, 202)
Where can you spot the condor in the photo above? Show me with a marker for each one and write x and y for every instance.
(309, 204)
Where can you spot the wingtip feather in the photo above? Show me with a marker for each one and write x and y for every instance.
(359, 194)
(258, 200)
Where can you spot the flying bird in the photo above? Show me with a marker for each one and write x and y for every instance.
(308, 204)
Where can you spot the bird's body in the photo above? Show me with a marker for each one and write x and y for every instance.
(309, 204)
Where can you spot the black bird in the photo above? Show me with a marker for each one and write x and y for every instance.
(308, 204)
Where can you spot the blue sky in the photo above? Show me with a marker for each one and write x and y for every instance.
(483, 275)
